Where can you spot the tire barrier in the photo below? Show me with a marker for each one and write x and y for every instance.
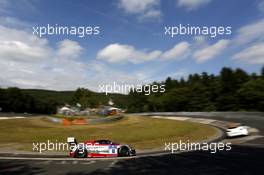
(83, 121)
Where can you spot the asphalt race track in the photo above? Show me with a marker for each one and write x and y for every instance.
(246, 158)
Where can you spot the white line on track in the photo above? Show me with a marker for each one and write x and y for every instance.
(85, 159)
(6, 118)
(37, 158)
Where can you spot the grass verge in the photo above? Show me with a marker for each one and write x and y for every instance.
(140, 132)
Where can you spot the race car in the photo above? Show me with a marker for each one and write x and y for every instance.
(99, 148)
(234, 130)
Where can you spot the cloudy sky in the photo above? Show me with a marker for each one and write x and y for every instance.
(131, 47)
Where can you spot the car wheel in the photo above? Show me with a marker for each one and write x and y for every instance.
(81, 153)
(124, 151)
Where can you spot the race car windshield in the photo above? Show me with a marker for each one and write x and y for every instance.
(103, 142)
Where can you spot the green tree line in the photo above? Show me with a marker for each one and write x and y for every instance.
(39, 101)
(231, 90)
(16, 100)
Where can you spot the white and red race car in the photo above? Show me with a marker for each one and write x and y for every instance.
(99, 148)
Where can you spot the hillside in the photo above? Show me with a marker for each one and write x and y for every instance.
(63, 97)
(60, 96)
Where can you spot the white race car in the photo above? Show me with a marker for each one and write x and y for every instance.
(236, 130)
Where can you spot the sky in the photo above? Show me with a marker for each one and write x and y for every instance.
(131, 47)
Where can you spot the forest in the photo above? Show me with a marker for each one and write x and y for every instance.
(231, 90)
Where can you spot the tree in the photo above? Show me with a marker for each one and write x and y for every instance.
(84, 97)
(3, 99)
(241, 77)
(200, 99)
(137, 102)
(227, 80)
(168, 83)
(15, 100)
(205, 79)
(251, 95)
(195, 78)
(227, 100)
(176, 100)
(262, 72)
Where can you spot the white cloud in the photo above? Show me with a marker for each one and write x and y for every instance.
(68, 48)
(3, 5)
(118, 53)
(151, 14)
(252, 55)
(200, 41)
(145, 9)
(251, 38)
(11, 7)
(250, 33)
(14, 22)
(179, 51)
(261, 6)
(137, 6)
(121, 53)
(192, 4)
(30, 62)
(100, 74)
(210, 51)
(19, 45)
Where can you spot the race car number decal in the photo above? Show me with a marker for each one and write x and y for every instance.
(112, 149)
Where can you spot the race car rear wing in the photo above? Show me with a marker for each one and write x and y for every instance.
(71, 140)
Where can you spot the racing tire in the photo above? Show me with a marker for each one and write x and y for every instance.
(80, 153)
(124, 151)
